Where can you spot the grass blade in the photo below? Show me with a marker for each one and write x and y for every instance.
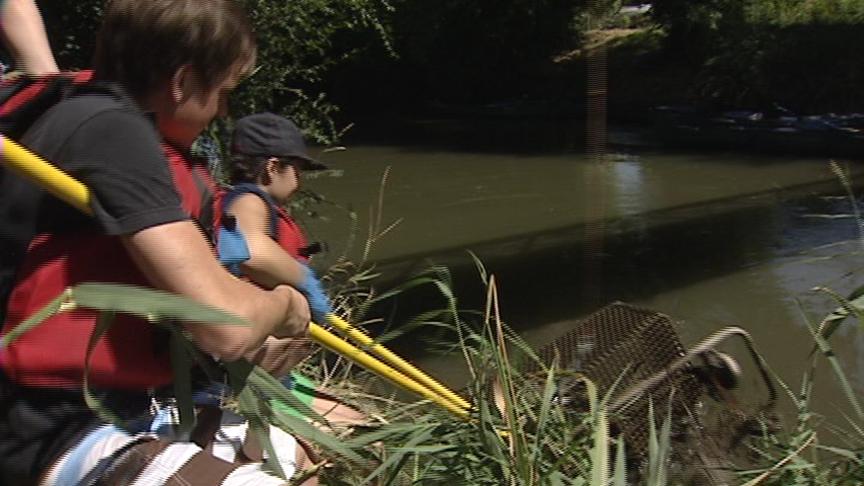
(826, 350)
(102, 324)
(600, 450)
(59, 304)
(545, 406)
(181, 364)
(620, 477)
(401, 455)
(150, 304)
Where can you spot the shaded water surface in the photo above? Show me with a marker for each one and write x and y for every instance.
(711, 239)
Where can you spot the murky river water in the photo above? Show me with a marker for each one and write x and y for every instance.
(710, 239)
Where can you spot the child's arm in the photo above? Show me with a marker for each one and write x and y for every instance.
(24, 34)
(269, 265)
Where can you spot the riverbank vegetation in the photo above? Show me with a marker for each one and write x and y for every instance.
(410, 57)
(331, 62)
(524, 428)
(299, 46)
(534, 421)
(800, 54)
(551, 439)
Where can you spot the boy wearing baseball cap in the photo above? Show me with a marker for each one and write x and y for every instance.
(163, 71)
(268, 154)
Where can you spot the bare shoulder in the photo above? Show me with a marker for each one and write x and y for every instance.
(248, 203)
(251, 212)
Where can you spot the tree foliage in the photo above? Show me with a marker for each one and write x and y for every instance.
(393, 52)
(798, 53)
(299, 43)
(696, 28)
(477, 50)
(375, 54)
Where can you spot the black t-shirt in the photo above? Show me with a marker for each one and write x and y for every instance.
(102, 138)
(105, 141)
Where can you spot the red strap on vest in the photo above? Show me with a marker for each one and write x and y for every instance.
(131, 355)
(291, 237)
(30, 92)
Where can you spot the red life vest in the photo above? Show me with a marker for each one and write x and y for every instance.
(290, 236)
(282, 227)
(23, 100)
(131, 355)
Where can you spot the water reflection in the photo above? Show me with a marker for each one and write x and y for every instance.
(628, 175)
(710, 239)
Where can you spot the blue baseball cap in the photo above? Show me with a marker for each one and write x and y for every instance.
(271, 135)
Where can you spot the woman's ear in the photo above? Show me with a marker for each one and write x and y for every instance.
(183, 84)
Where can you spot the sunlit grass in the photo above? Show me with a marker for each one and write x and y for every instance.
(526, 438)
(519, 432)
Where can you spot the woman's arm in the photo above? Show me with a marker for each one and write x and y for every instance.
(24, 34)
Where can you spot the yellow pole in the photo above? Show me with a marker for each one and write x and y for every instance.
(70, 190)
(393, 359)
(31, 166)
(339, 346)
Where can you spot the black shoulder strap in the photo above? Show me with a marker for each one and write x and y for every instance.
(24, 99)
(205, 219)
(248, 187)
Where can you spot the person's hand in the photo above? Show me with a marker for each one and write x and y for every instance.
(319, 304)
(296, 323)
(278, 356)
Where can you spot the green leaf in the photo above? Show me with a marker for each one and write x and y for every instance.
(251, 410)
(545, 405)
(255, 387)
(653, 445)
(400, 455)
(150, 304)
(181, 365)
(61, 301)
(102, 324)
(826, 350)
(274, 392)
(846, 453)
(620, 478)
(302, 428)
(385, 433)
(600, 448)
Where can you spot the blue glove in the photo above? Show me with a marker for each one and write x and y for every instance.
(319, 304)
(231, 248)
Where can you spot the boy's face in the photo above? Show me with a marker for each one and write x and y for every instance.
(197, 106)
(284, 180)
